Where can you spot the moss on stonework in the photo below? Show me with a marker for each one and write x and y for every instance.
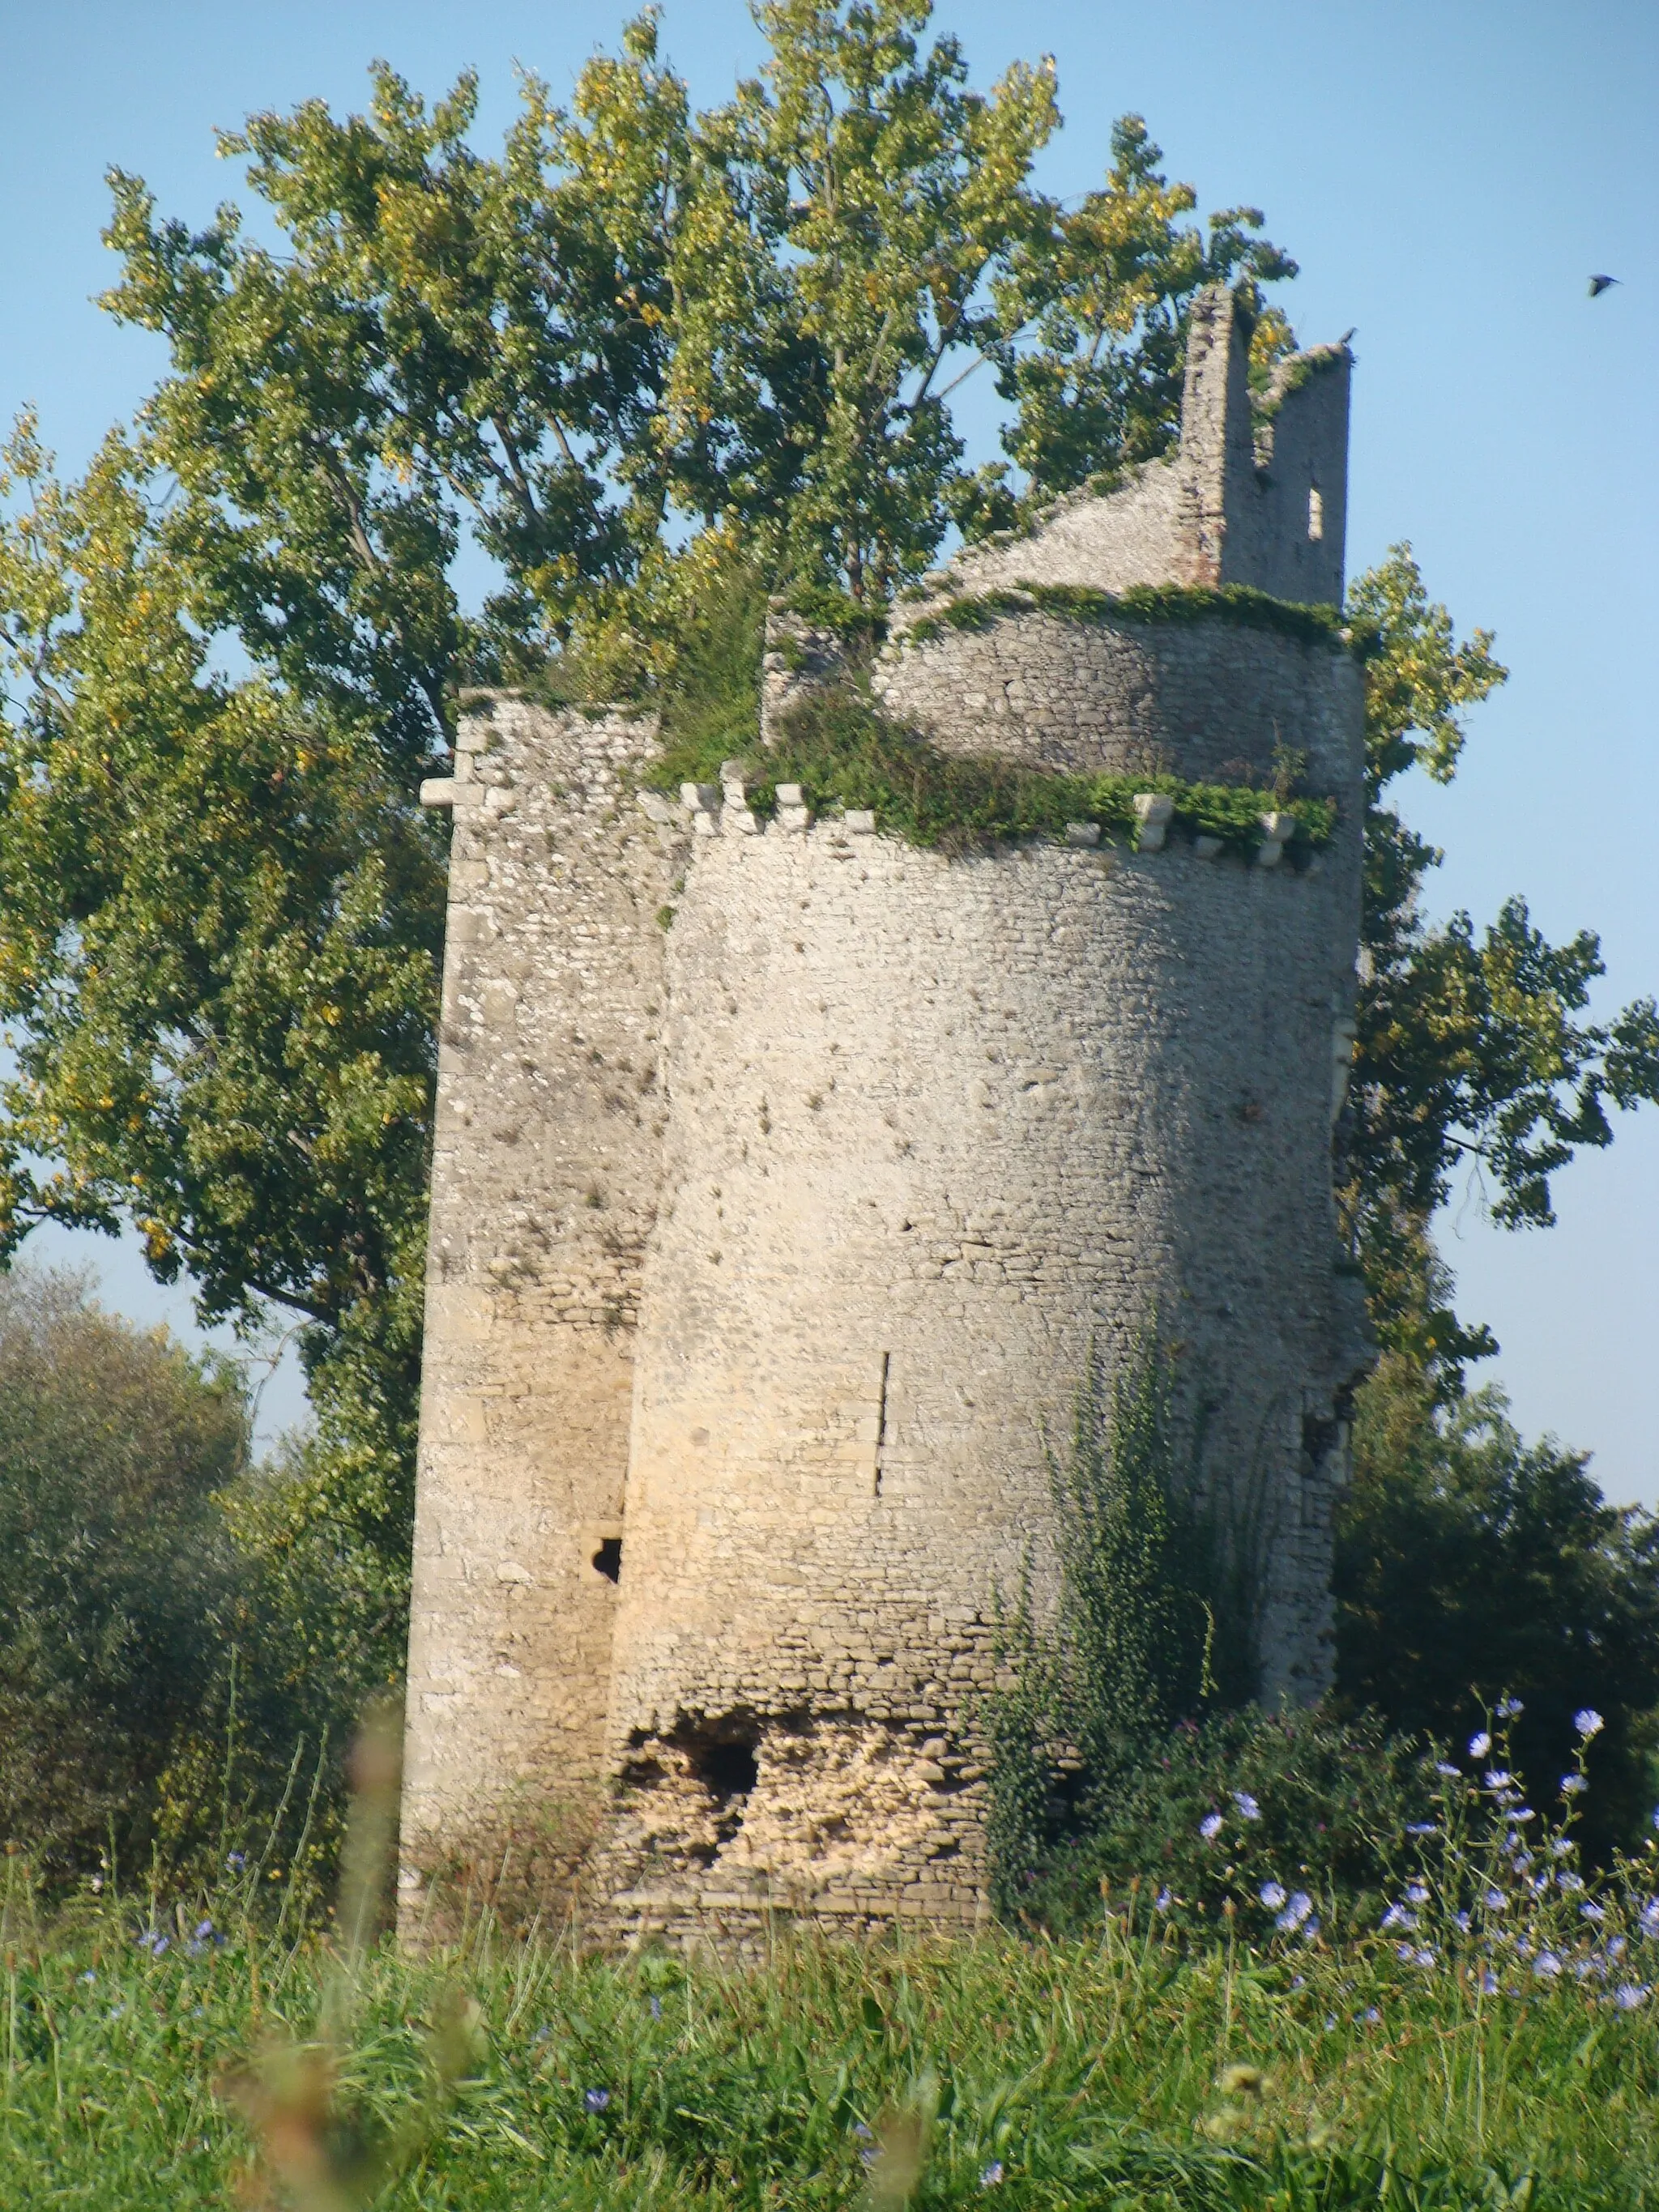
(842, 752)
(1234, 602)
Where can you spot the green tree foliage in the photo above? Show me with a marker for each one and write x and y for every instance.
(219, 941)
(1472, 1053)
(115, 1570)
(180, 1628)
(1471, 1566)
(229, 652)
(1095, 377)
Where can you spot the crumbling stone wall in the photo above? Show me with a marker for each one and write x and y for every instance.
(936, 1127)
(1234, 504)
(770, 1247)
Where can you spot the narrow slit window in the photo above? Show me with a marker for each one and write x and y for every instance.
(1316, 512)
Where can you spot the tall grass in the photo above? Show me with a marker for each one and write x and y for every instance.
(185, 2053)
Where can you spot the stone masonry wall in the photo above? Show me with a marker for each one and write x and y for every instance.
(544, 1186)
(1210, 699)
(935, 1127)
(787, 1177)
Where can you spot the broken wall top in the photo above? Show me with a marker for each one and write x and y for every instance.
(1253, 495)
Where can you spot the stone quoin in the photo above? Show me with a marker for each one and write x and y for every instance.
(787, 1176)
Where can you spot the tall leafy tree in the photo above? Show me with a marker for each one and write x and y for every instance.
(1474, 1054)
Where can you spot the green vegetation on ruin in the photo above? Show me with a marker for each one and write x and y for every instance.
(844, 753)
(1170, 603)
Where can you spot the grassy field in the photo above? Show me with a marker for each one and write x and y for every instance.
(1483, 2034)
(1132, 2072)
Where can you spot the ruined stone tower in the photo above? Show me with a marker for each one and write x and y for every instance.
(786, 1175)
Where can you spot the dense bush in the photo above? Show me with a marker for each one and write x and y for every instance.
(1471, 1565)
(115, 1565)
(1221, 1806)
(178, 1626)
(1473, 1571)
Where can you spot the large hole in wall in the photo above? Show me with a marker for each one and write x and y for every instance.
(722, 1753)
(730, 1769)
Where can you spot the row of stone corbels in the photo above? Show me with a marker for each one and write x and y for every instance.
(712, 810)
(1155, 811)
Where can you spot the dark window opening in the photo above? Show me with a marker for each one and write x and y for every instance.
(607, 1561)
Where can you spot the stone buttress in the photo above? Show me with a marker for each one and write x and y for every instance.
(926, 1133)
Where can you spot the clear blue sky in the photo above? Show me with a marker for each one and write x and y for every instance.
(1447, 174)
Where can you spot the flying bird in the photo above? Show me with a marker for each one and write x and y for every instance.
(1599, 284)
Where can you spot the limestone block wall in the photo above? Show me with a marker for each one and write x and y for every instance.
(934, 1127)
(1212, 699)
(545, 1180)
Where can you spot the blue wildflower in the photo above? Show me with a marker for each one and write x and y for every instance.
(1416, 1892)
(1546, 1966)
(1628, 1995)
(1480, 1744)
(1589, 1722)
(1572, 1785)
(1650, 1916)
(991, 2175)
(1497, 1779)
(1456, 1774)
(596, 2099)
(1271, 1895)
(236, 1861)
(1488, 1982)
(1165, 1898)
(1495, 1901)
(1422, 1827)
(1210, 1827)
(1248, 1808)
(1508, 1708)
(656, 2007)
